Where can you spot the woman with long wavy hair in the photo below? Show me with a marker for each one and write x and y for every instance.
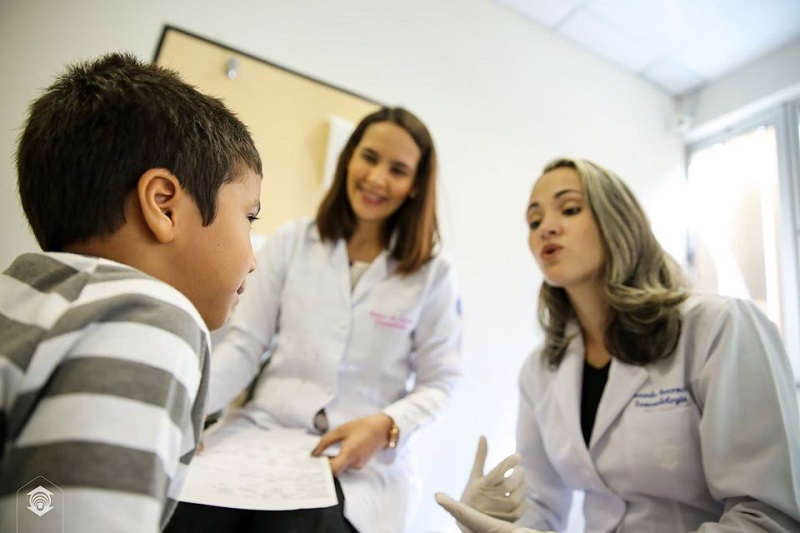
(670, 410)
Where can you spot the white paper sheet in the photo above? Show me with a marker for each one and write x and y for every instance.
(339, 131)
(246, 467)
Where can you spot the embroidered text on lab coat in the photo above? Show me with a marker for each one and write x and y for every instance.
(673, 396)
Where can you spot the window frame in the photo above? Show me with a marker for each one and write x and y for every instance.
(785, 119)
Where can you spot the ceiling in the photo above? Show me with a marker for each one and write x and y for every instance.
(679, 45)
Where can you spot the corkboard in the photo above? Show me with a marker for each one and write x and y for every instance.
(290, 116)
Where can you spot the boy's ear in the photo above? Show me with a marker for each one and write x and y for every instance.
(159, 194)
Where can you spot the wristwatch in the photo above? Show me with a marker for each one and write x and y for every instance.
(394, 435)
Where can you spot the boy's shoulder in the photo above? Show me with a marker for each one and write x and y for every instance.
(45, 295)
(83, 337)
(74, 277)
(65, 274)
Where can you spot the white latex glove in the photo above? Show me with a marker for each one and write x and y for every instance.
(472, 521)
(495, 494)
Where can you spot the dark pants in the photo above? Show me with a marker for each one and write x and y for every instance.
(195, 518)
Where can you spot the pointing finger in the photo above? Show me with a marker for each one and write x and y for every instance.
(480, 459)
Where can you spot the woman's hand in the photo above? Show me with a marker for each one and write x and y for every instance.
(497, 493)
(471, 521)
(359, 440)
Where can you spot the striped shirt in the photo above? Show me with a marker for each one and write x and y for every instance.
(103, 377)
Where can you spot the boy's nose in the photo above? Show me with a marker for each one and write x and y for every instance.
(253, 261)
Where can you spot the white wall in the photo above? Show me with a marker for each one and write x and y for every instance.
(501, 97)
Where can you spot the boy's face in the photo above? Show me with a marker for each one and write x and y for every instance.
(214, 260)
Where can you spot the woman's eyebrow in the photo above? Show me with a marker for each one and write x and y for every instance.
(557, 195)
(404, 166)
(370, 151)
(562, 192)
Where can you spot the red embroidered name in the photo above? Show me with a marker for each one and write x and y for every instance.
(391, 321)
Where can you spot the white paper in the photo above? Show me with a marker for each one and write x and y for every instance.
(247, 467)
(339, 131)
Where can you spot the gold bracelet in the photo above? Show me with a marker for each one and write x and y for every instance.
(394, 435)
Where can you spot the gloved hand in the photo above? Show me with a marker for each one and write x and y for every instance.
(495, 494)
(472, 521)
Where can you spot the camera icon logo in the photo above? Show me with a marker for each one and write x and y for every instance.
(40, 501)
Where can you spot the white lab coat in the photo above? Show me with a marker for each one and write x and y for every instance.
(709, 436)
(391, 344)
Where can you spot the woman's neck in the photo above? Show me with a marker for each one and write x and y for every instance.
(592, 311)
(366, 243)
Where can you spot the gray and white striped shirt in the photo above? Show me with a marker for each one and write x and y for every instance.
(103, 377)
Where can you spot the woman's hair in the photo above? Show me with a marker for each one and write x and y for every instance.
(644, 285)
(412, 230)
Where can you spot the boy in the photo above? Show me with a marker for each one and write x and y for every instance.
(140, 192)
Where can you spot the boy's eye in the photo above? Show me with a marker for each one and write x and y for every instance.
(252, 218)
(534, 223)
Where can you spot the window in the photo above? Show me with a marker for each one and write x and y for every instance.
(743, 227)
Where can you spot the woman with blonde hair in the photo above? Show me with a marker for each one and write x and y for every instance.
(671, 410)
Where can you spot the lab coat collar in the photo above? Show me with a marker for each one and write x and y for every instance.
(380, 268)
(312, 231)
(623, 381)
(377, 271)
(568, 378)
(567, 382)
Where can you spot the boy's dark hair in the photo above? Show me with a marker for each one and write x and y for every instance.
(100, 126)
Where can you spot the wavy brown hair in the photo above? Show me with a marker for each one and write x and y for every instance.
(412, 230)
(645, 287)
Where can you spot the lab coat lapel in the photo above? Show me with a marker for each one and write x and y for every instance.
(567, 386)
(623, 381)
(339, 273)
(377, 270)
